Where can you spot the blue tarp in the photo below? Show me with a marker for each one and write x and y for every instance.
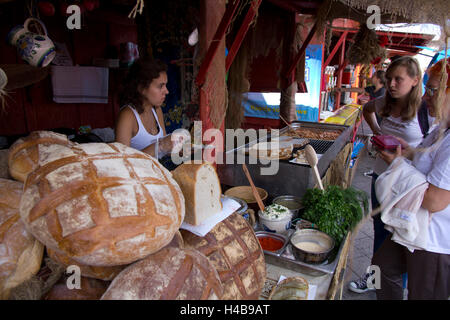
(267, 105)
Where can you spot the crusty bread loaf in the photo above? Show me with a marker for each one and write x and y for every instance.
(102, 204)
(177, 241)
(201, 189)
(90, 289)
(235, 252)
(101, 273)
(170, 274)
(23, 154)
(20, 253)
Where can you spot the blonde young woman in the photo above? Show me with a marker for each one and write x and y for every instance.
(398, 109)
(428, 269)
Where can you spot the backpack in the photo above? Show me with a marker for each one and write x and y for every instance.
(422, 117)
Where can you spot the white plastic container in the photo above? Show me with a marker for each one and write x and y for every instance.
(279, 225)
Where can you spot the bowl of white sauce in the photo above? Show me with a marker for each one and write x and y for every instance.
(275, 218)
(311, 245)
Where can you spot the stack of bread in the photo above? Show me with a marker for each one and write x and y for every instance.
(115, 212)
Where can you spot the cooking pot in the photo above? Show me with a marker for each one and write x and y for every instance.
(311, 245)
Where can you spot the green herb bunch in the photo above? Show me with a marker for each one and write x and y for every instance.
(335, 210)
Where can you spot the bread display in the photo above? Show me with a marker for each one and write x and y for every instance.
(232, 247)
(201, 189)
(23, 154)
(20, 253)
(170, 274)
(177, 241)
(101, 273)
(90, 289)
(101, 204)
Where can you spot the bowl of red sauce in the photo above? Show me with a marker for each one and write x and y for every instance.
(272, 242)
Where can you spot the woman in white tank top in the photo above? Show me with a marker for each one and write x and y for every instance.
(141, 124)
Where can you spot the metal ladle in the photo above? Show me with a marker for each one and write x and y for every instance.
(311, 156)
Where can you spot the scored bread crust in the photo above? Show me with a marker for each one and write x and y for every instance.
(170, 274)
(20, 253)
(186, 176)
(23, 156)
(102, 204)
(235, 252)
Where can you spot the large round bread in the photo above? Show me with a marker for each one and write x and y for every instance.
(90, 289)
(170, 274)
(101, 273)
(23, 154)
(102, 204)
(20, 253)
(235, 252)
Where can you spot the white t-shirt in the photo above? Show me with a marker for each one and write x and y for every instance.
(435, 164)
(407, 130)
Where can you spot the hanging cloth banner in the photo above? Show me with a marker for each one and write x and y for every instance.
(267, 105)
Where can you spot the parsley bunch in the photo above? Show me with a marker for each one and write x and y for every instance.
(335, 210)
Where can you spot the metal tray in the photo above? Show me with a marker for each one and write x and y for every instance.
(281, 259)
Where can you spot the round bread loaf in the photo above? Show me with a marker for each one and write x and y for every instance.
(177, 241)
(235, 252)
(90, 289)
(20, 253)
(170, 274)
(102, 204)
(23, 154)
(101, 273)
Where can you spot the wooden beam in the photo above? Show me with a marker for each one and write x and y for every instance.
(300, 53)
(252, 10)
(342, 38)
(215, 42)
(340, 71)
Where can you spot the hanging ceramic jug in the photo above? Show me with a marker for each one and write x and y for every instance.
(36, 49)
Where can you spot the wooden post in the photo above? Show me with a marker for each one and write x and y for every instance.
(340, 73)
(288, 85)
(211, 15)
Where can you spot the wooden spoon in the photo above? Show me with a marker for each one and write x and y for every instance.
(254, 190)
(311, 156)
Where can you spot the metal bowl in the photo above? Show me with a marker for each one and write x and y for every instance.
(293, 203)
(276, 236)
(313, 238)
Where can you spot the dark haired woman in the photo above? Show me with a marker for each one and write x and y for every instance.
(141, 123)
(378, 82)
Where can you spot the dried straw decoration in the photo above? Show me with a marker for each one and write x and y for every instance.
(39, 285)
(238, 84)
(365, 47)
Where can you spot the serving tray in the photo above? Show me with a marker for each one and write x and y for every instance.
(284, 257)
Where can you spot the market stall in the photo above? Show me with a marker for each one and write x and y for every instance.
(121, 217)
